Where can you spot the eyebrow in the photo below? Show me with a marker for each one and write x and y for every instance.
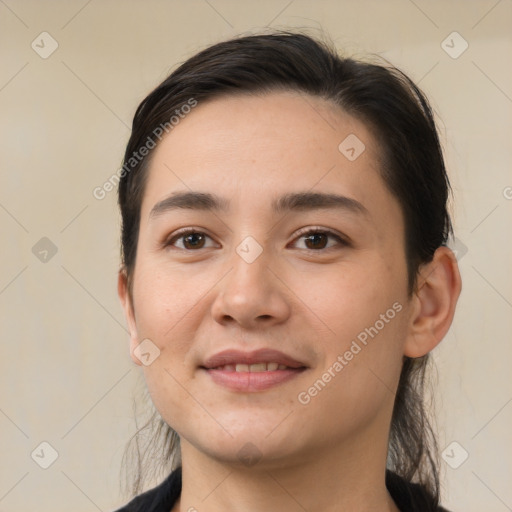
(293, 201)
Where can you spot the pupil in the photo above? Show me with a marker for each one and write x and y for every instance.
(193, 236)
(315, 236)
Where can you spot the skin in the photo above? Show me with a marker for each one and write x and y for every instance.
(309, 299)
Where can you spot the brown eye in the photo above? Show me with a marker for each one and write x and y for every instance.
(191, 240)
(317, 239)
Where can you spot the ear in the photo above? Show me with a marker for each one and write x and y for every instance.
(439, 286)
(126, 302)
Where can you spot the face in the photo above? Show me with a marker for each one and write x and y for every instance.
(320, 280)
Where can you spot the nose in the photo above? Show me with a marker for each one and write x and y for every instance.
(252, 295)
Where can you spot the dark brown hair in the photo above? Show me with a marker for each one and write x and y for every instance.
(411, 164)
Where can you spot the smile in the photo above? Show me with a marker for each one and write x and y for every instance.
(252, 378)
(252, 368)
(254, 371)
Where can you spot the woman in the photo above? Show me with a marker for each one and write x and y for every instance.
(284, 278)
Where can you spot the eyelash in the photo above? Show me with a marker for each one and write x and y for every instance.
(306, 231)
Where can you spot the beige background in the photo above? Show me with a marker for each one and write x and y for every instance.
(66, 377)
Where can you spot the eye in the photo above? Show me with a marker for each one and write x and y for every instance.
(316, 239)
(192, 239)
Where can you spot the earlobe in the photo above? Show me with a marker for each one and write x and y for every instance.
(126, 302)
(439, 286)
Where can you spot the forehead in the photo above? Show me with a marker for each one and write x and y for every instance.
(246, 123)
(252, 148)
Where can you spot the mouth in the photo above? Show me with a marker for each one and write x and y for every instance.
(251, 372)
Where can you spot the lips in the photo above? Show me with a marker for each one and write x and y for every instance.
(253, 368)
(239, 358)
(252, 371)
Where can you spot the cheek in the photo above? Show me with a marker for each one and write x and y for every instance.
(361, 363)
(361, 316)
(163, 299)
(350, 297)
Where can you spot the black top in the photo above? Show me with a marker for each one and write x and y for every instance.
(408, 497)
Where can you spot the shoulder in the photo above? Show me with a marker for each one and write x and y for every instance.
(159, 499)
(410, 497)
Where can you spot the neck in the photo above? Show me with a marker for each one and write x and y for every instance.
(327, 481)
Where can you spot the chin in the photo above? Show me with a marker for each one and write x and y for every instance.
(249, 447)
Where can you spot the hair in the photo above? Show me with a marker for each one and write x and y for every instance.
(411, 162)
